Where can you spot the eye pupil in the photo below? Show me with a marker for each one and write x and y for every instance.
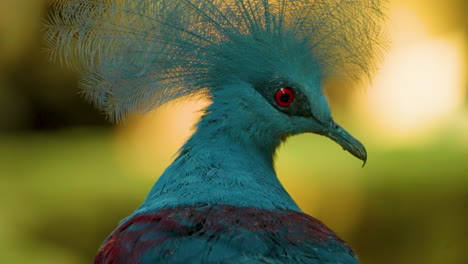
(284, 97)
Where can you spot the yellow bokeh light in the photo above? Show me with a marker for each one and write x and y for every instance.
(147, 144)
(420, 83)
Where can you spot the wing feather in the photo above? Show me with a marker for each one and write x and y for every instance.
(223, 234)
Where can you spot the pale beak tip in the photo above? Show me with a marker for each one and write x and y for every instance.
(364, 158)
(348, 142)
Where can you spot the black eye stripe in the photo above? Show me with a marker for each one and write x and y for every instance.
(300, 105)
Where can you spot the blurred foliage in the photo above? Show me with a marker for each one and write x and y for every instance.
(65, 184)
(62, 193)
(35, 94)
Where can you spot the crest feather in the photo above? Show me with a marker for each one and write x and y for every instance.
(139, 54)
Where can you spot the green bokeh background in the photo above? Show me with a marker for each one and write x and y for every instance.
(64, 184)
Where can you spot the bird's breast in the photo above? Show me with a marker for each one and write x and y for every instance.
(223, 234)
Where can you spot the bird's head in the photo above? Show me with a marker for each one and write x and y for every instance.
(303, 108)
(274, 86)
(266, 59)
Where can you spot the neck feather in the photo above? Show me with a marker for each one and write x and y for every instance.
(226, 161)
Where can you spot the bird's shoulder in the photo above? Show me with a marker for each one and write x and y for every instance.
(223, 234)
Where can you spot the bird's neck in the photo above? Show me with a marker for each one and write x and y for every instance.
(224, 162)
(224, 134)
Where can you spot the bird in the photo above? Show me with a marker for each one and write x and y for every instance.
(264, 66)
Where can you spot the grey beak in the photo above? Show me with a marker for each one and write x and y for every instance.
(348, 142)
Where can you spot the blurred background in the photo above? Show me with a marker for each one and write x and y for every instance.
(67, 176)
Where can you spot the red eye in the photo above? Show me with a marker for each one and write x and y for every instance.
(284, 97)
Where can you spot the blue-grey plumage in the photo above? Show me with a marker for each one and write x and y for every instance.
(261, 62)
(139, 54)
